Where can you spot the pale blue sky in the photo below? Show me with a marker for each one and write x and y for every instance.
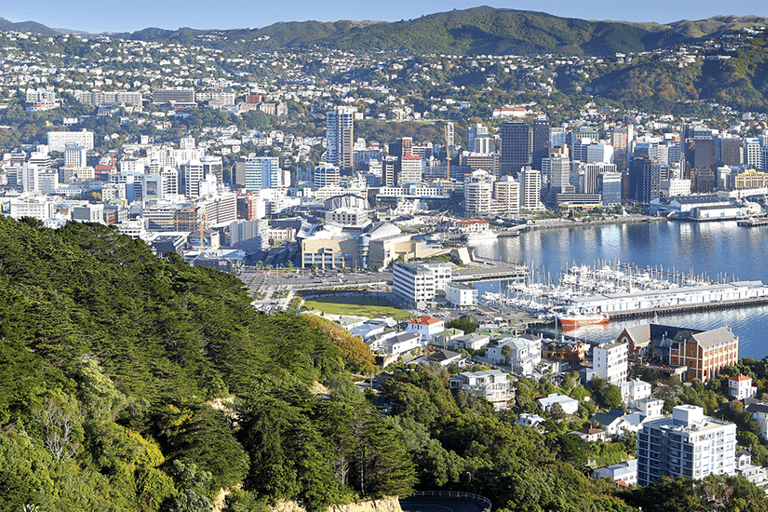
(131, 15)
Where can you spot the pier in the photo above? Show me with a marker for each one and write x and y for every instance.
(753, 222)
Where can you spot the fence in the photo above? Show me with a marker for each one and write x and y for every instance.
(454, 494)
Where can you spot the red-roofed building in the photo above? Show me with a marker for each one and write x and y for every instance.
(740, 387)
(426, 327)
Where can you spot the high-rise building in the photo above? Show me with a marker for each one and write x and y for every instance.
(411, 169)
(326, 174)
(340, 137)
(753, 157)
(192, 172)
(729, 150)
(515, 147)
(540, 140)
(559, 172)
(621, 138)
(644, 180)
(687, 444)
(530, 189)
(704, 153)
(262, 172)
(609, 184)
(474, 132)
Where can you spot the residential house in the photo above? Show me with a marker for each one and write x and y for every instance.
(443, 358)
(493, 385)
(524, 353)
(570, 351)
(400, 344)
(472, 341)
(757, 475)
(589, 434)
(529, 420)
(445, 338)
(622, 472)
(740, 387)
(759, 412)
(568, 404)
(426, 327)
(633, 390)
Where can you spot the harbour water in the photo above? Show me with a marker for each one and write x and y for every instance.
(717, 249)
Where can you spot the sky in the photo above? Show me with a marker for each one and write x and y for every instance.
(97, 16)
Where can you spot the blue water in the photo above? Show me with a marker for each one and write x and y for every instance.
(715, 248)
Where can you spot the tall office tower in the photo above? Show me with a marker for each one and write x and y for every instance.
(515, 147)
(557, 137)
(389, 171)
(75, 156)
(261, 172)
(592, 173)
(540, 142)
(170, 181)
(609, 184)
(752, 154)
(621, 138)
(644, 180)
(530, 189)
(704, 153)
(410, 169)
(599, 152)
(28, 178)
(560, 173)
(401, 147)
(584, 132)
(326, 174)
(473, 132)
(192, 172)
(729, 150)
(450, 138)
(686, 444)
(339, 133)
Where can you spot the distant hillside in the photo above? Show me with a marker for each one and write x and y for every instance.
(27, 26)
(739, 81)
(480, 30)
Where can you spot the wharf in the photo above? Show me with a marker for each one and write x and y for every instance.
(689, 308)
(753, 222)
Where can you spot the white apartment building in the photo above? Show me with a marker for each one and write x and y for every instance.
(493, 385)
(610, 362)
(461, 294)
(530, 189)
(415, 284)
(687, 444)
(57, 141)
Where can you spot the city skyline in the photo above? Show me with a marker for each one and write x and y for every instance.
(89, 15)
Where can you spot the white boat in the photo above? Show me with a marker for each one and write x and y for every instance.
(481, 237)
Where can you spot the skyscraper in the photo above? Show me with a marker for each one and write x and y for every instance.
(540, 148)
(644, 180)
(515, 147)
(261, 172)
(339, 133)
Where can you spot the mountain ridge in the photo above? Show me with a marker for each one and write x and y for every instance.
(474, 31)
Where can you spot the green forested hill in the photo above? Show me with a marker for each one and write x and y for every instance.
(117, 372)
(133, 383)
(479, 30)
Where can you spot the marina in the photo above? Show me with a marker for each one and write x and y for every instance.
(717, 252)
